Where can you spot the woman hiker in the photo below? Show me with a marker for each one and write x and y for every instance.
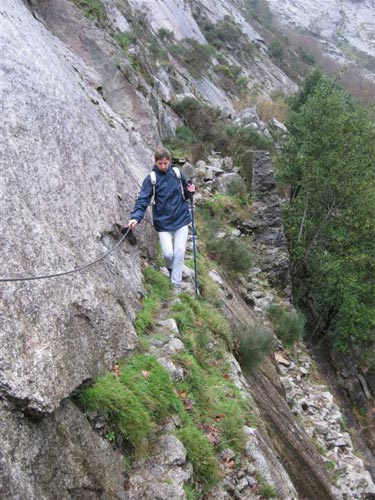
(166, 187)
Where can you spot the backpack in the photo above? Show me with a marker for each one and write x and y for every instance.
(153, 182)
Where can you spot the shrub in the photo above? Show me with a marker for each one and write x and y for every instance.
(289, 326)
(165, 34)
(194, 55)
(230, 78)
(213, 130)
(276, 49)
(307, 57)
(277, 108)
(124, 40)
(226, 31)
(93, 9)
(186, 134)
(254, 344)
(232, 253)
(200, 117)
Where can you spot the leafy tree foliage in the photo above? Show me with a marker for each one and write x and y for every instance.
(329, 162)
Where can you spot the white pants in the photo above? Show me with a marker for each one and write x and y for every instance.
(173, 246)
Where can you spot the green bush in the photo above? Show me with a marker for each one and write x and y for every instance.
(165, 34)
(93, 9)
(307, 57)
(289, 326)
(201, 118)
(232, 253)
(215, 131)
(194, 55)
(125, 39)
(276, 49)
(223, 33)
(254, 344)
(186, 134)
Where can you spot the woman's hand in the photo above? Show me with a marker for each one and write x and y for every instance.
(191, 188)
(132, 223)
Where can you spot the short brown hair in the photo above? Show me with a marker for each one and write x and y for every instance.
(161, 152)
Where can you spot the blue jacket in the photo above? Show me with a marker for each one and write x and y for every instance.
(170, 211)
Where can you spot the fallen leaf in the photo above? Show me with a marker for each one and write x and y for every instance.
(230, 463)
(182, 394)
(117, 370)
(220, 416)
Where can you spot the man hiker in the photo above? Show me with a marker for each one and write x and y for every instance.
(166, 187)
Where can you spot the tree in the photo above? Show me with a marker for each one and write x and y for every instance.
(328, 161)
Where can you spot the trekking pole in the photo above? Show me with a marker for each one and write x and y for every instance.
(194, 246)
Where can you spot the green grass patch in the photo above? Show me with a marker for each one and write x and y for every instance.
(204, 329)
(140, 395)
(214, 403)
(201, 455)
(125, 39)
(158, 289)
(134, 401)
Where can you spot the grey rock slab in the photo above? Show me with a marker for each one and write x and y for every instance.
(60, 457)
(168, 326)
(174, 346)
(227, 183)
(152, 481)
(62, 168)
(171, 451)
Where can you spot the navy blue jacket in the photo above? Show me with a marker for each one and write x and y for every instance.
(170, 211)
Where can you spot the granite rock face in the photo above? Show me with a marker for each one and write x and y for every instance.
(65, 181)
(61, 457)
